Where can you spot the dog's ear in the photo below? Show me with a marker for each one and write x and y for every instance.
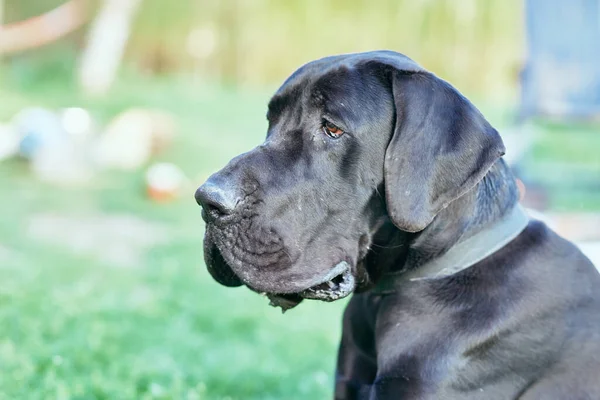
(440, 148)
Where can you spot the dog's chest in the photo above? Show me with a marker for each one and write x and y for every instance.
(423, 347)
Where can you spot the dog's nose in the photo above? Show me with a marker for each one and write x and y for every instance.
(217, 200)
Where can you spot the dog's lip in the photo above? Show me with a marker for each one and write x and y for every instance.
(291, 284)
(338, 283)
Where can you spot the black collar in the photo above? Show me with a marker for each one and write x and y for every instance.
(462, 255)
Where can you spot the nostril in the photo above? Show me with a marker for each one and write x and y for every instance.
(215, 208)
(215, 201)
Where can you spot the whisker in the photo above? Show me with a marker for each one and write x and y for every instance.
(287, 254)
(387, 247)
(378, 194)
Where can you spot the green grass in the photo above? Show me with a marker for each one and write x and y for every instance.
(73, 326)
(565, 160)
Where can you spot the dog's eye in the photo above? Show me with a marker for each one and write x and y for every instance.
(332, 130)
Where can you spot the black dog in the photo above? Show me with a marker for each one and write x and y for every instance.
(377, 178)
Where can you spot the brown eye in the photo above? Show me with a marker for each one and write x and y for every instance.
(332, 130)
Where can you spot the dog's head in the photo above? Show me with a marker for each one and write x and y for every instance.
(353, 141)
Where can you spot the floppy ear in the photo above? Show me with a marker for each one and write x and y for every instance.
(441, 147)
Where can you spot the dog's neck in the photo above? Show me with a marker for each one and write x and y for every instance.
(488, 202)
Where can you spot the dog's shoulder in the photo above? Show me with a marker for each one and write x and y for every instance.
(552, 254)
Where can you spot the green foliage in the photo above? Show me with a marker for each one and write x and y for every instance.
(475, 44)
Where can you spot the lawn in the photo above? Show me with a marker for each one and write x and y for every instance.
(78, 323)
(104, 294)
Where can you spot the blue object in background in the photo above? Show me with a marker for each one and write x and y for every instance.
(38, 129)
(561, 76)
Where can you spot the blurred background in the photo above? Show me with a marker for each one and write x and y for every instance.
(112, 113)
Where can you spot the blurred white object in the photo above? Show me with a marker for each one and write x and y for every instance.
(9, 142)
(52, 142)
(77, 122)
(201, 42)
(105, 44)
(38, 128)
(132, 137)
(164, 181)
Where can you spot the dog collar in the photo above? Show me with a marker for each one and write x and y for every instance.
(464, 254)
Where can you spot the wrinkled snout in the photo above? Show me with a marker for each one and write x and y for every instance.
(222, 194)
(263, 225)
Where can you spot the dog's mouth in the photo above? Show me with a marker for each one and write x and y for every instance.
(337, 284)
